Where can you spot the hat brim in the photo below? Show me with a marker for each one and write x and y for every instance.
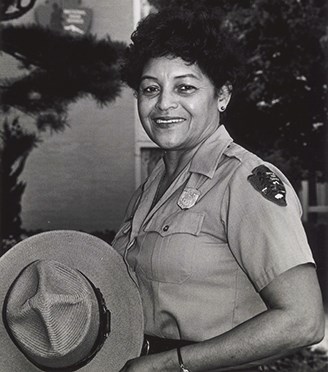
(106, 269)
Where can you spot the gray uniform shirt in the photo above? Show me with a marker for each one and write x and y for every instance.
(203, 252)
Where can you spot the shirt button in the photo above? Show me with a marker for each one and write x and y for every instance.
(166, 227)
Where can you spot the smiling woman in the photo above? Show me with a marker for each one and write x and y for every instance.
(213, 237)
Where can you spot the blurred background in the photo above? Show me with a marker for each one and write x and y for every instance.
(72, 149)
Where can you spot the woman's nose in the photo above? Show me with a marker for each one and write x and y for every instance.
(166, 101)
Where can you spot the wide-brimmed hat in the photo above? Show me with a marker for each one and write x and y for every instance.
(65, 295)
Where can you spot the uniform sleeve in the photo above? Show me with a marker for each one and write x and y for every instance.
(265, 238)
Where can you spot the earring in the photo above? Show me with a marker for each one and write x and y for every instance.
(222, 108)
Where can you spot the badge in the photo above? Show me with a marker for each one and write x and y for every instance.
(268, 184)
(188, 198)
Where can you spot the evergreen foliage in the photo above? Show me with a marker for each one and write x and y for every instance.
(62, 68)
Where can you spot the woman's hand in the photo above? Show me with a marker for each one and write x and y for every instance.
(166, 361)
(138, 365)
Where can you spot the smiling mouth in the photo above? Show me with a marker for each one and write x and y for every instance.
(163, 122)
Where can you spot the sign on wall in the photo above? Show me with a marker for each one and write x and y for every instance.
(64, 15)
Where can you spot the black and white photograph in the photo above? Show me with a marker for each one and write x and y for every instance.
(164, 185)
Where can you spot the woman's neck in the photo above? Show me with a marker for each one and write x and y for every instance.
(176, 160)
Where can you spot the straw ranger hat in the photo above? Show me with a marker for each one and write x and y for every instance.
(68, 303)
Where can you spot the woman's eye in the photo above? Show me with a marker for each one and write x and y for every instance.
(184, 88)
(149, 90)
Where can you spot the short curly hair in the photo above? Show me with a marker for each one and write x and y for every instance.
(200, 37)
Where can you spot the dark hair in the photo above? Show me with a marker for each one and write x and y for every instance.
(195, 36)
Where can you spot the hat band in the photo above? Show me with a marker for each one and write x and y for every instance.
(103, 333)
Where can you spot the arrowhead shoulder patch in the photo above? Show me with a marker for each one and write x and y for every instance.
(268, 184)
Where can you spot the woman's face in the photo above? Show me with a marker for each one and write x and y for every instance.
(177, 103)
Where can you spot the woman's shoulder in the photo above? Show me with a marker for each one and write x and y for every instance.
(245, 158)
(248, 162)
(256, 177)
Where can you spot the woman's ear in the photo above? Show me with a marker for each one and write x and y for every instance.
(224, 95)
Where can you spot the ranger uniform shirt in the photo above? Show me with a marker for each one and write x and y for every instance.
(214, 240)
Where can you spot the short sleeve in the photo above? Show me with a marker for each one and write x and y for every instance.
(265, 238)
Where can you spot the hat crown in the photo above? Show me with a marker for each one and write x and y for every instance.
(52, 313)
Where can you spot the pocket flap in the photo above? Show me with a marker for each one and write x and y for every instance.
(183, 222)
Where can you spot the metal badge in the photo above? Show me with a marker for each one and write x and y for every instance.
(188, 198)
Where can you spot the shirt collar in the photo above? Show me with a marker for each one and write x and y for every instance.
(209, 154)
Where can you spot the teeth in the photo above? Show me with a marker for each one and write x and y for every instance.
(168, 121)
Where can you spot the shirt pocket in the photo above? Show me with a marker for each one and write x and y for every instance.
(121, 239)
(167, 247)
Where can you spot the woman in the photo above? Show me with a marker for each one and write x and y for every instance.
(213, 238)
